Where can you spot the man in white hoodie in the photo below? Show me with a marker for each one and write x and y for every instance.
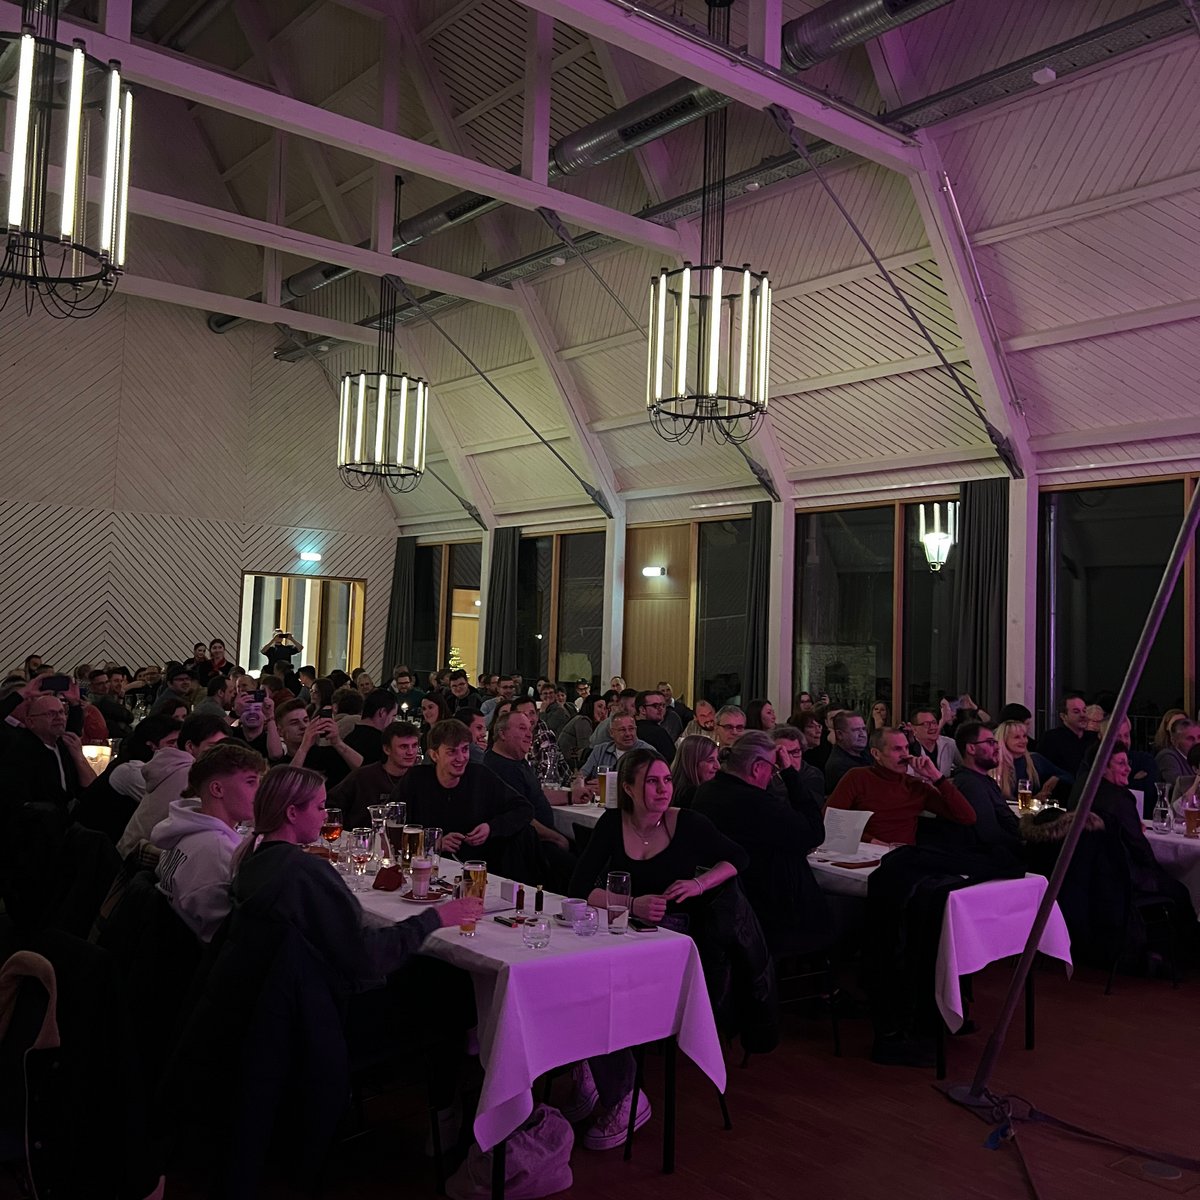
(199, 837)
(166, 776)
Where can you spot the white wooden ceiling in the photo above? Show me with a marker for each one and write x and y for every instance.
(1081, 198)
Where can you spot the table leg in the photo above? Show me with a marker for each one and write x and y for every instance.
(1029, 1023)
(669, 1065)
(639, 1059)
(499, 1167)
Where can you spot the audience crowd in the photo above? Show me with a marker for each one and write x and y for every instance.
(186, 846)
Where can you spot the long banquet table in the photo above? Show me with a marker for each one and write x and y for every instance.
(540, 1009)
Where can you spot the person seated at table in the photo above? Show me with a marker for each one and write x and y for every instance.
(728, 725)
(1120, 811)
(695, 763)
(790, 743)
(1143, 770)
(378, 712)
(760, 714)
(1066, 743)
(649, 708)
(199, 835)
(544, 756)
(677, 714)
(345, 979)
(575, 736)
(404, 686)
(673, 857)
(995, 823)
(607, 755)
(894, 798)
(624, 702)
(777, 833)
(347, 708)
(849, 748)
(481, 816)
(477, 727)
(315, 743)
(929, 741)
(434, 708)
(1019, 764)
(374, 783)
(166, 777)
(1172, 761)
(117, 718)
(42, 756)
(512, 738)
(255, 723)
(553, 712)
(818, 753)
(107, 804)
(1162, 735)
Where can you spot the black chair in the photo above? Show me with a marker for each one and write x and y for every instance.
(1146, 915)
(816, 969)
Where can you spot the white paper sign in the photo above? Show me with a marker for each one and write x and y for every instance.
(843, 832)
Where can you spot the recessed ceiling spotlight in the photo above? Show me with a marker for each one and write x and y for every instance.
(558, 261)
(1044, 75)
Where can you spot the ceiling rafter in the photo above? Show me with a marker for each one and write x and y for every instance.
(252, 20)
(742, 79)
(156, 68)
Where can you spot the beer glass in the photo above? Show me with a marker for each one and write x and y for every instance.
(393, 827)
(618, 901)
(475, 883)
(602, 789)
(1024, 796)
(412, 843)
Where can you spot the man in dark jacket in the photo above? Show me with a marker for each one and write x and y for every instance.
(482, 817)
(849, 750)
(777, 834)
(995, 823)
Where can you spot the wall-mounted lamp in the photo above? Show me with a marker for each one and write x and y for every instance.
(650, 572)
(938, 532)
(478, 603)
(309, 556)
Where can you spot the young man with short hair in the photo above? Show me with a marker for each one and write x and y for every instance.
(335, 760)
(199, 835)
(378, 712)
(374, 783)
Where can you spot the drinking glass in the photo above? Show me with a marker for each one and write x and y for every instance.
(535, 933)
(475, 884)
(378, 815)
(412, 843)
(433, 835)
(393, 827)
(618, 901)
(587, 922)
(361, 842)
(331, 830)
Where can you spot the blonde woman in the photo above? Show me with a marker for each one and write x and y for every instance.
(1019, 764)
(695, 763)
(1162, 735)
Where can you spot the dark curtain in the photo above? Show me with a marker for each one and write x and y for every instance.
(500, 634)
(981, 591)
(758, 606)
(398, 643)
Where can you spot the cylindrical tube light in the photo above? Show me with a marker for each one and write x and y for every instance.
(393, 405)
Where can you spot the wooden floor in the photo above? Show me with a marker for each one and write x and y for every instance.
(807, 1124)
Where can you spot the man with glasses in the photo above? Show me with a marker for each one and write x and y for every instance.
(649, 708)
(932, 743)
(607, 755)
(894, 798)
(995, 823)
(849, 749)
(728, 726)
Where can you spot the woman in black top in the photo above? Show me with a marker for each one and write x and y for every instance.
(434, 708)
(695, 763)
(673, 857)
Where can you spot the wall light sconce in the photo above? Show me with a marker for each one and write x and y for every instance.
(309, 556)
(938, 532)
(650, 572)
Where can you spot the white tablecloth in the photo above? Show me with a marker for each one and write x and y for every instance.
(983, 922)
(989, 921)
(540, 1009)
(568, 816)
(1180, 858)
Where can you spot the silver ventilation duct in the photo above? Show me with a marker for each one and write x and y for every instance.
(820, 34)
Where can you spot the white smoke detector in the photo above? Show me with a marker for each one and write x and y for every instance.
(1044, 75)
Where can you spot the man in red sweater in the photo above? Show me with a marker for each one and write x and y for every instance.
(895, 798)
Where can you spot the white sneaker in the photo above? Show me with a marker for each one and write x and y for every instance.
(610, 1129)
(583, 1097)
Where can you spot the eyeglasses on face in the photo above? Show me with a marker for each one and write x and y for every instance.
(737, 728)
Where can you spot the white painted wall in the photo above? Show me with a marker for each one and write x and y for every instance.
(145, 464)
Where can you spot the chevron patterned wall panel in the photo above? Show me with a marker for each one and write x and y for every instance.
(145, 465)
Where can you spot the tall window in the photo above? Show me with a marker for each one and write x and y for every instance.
(580, 606)
(535, 563)
(427, 588)
(1102, 553)
(324, 615)
(462, 619)
(722, 585)
(927, 637)
(844, 567)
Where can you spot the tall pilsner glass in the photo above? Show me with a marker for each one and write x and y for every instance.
(475, 881)
(618, 901)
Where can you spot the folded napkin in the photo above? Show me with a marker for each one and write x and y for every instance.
(388, 879)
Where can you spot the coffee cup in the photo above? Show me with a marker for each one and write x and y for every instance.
(571, 909)
(422, 872)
